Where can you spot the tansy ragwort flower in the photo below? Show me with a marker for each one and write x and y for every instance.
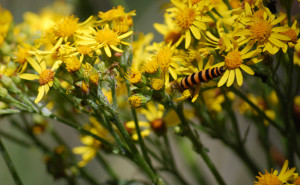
(264, 32)
(45, 76)
(274, 178)
(167, 62)
(234, 61)
(188, 17)
(89, 151)
(155, 121)
(106, 38)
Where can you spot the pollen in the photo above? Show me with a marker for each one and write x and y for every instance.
(164, 58)
(261, 30)
(46, 76)
(292, 34)
(151, 67)
(267, 179)
(134, 76)
(72, 64)
(185, 17)
(66, 27)
(135, 101)
(157, 84)
(159, 126)
(107, 36)
(233, 60)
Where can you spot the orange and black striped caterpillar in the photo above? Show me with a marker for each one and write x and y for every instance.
(201, 76)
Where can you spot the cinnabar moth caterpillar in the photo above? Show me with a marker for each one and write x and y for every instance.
(201, 76)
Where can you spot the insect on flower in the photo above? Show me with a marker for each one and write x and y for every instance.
(201, 76)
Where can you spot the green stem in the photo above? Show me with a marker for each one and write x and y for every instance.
(10, 164)
(198, 147)
(80, 129)
(140, 138)
(257, 109)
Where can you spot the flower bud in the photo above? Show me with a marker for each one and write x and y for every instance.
(138, 100)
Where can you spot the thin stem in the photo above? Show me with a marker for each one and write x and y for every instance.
(258, 110)
(9, 164)
(140, 138)
(198, 147)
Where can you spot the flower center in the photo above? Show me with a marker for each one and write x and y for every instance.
(46, 76)
(151, 66)
(72, 64)
(107, 36)
(157, 84)
(268, 179)
(135, 101)
(233, 60)
(158, 126)
(185, 17)
(134, 76)
(21, 55)
(66, 27)
(261, 30)
(164, 58)
(292, 34)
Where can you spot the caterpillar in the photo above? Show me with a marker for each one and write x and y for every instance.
(201, 76)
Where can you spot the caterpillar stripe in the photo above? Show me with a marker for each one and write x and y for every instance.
(201, 76)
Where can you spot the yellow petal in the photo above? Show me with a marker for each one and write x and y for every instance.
(34, 64)
(211, 36)
(161, 28)
(224, 78)
(276, 42)
(239, 76)
(187, 39)
(56, 65)
(28, 76)
(173, 73)
(40, 94)
(195, 32)
(247, 69)
(116, 49)
(125, 35)
(278, 20)
(251, 54)
(107, 51)
(280, 36)
(231, 77)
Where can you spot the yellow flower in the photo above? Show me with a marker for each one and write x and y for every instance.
(5, 19)
(73, 64)
(115, 13)
(134, 76)
(274, 178)
(157, 84)
(166, 61)
(234, 61)
(89, 151)
(171, 31)
(156, 121)
(297, 53)
(140, 53)
(264, 32)
(106, 38)
(45, 76)
(188, 17)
